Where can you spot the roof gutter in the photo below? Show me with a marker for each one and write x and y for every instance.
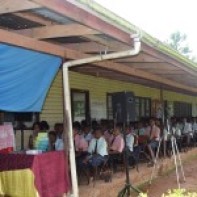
(67, 99)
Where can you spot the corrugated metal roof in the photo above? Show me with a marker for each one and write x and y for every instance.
(128, 27)
(14, 22)
(53, 16)
(106, 37)
(68, 40)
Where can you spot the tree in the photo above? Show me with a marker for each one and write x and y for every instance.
(178, 41)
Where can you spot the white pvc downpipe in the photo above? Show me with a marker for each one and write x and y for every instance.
(67, 99)
(115, 55)
(67, 111)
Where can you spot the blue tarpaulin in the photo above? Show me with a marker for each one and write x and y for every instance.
(25, 78)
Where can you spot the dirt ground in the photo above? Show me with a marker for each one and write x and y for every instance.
(161, 184)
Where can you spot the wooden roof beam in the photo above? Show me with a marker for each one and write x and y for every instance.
(30, 43)
(10, 6)
(82, 16)
(141, 58)
(153, 51)
(55, 31)
(35, 18)
(88, 47)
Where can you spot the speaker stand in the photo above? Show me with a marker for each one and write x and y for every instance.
(126, 191)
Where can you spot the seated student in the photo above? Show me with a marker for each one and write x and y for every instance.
(187, 130)
(141, 129)
(42, 142)
(142, 137)
(116, 146)
(58, 128)
(129, 139)
(59, 144)
(81, 146)
(39, 139)
(97, 150)
(86, 132)
(44, 126)
(129, 147)
(32, 138)
(108, 131)
(52, 139)
(173, 130)
(94, 124)
(135, 127)
(154, 137)
(194, 128)
(132, 146)
(194, 125)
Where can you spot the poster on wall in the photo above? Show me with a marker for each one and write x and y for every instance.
(98, 110)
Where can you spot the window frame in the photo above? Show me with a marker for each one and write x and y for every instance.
(87, 102)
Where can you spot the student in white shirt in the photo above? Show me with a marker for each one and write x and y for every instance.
(55, 144)
(97, 150)
(129, 140)
(132, 150)
(141, 129)
(187, 127)
(86, 132)
(59, 144)
(187, 130)
(194, 128)
(194, 125)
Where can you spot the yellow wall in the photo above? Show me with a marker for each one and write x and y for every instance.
(98, 87)
(53, 107)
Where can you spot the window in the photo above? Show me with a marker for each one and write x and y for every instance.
(16, 118)
(182, 109)
(80, 105)
(137, 108)
(142, 107)
(109, 107)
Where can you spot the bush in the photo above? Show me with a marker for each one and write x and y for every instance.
(179, 193)
(176, 193)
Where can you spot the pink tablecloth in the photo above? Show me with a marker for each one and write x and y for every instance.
(50, 170)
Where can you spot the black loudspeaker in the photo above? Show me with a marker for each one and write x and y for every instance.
(123, 104)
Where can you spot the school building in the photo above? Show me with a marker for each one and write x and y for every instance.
(80, 29)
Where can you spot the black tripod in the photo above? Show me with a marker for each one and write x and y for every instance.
(126, 191)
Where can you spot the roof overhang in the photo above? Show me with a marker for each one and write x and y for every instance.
(76, 29)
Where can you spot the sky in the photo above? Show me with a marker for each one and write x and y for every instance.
(159, 18)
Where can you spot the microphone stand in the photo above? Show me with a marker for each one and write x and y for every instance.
(126, 191)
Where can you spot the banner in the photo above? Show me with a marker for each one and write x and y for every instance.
(7, 138)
